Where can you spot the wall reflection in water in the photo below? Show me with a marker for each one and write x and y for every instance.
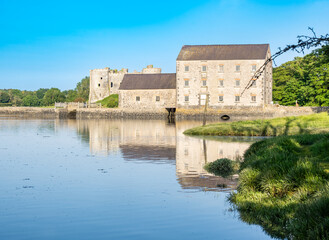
(159, 142)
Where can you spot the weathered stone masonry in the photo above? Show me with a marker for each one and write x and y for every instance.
(217, 74)
(104, 82)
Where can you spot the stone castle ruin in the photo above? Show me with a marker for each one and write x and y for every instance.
(106, 81)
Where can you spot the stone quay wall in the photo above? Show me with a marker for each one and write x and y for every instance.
(246, 113)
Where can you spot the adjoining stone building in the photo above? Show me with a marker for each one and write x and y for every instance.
(104, 82)
(218, 74)
(148, 92)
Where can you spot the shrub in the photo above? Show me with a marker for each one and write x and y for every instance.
(111, 101)
(221, 167)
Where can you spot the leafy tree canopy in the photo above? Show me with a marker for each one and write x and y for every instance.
(53, 95)
(31, 100)
(305, 79)
(4, 97)
(82, 88)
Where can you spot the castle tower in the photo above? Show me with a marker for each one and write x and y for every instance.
(99, 84)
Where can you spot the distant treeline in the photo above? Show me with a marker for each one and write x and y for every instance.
(45, 96)
(305, 79)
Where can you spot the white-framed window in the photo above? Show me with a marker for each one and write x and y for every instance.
(237, 82)
(187, 98)
(157, 98)
(204, 68)
(237, 98)
(187, 68)
(253, 98)
(186, 83)
(204, 83)
(253, 83)
(221, 82)
(253, 68)
(220, 98)
(237, 68)
(138, 98)
(111, 84)
(221, 68)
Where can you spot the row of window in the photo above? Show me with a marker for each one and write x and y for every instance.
(220, 83)
(221, 98)
(221, 68)
(157, 98)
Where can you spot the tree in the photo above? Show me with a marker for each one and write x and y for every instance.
(31, 100)
(82, 88)
(70, 95)
(303, 79)
(304, 42)
(4, 97)
(319, 81)
(41, 92)
(53, 95)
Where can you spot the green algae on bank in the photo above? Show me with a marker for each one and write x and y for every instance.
(309, 124)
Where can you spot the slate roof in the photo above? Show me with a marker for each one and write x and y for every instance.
(223, 52)
(148, 81)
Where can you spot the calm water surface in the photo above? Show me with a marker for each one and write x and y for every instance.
(118, 179)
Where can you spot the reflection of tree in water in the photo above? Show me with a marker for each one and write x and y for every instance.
(83, 132)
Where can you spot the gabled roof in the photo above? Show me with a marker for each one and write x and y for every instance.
(148, 81)
(223, 52)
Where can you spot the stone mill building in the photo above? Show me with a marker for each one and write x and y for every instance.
(219, 73)
(212, 75)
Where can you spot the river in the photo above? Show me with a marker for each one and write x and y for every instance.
(115, 179)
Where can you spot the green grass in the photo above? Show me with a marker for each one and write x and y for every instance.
(111, 101)
(310, 124)
(222, 167)
(284, 186)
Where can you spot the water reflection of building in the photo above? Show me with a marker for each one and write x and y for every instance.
(193, 153)
(159, 142)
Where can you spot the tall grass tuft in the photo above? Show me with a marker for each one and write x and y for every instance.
(284, 186)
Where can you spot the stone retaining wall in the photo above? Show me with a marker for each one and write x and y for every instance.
(245, 113)
(181, 114)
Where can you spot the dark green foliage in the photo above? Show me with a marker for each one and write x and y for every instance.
(303, 79)
(41, 92)
(45, 96)
(31, 100)
(111, 101)
(83, 88)
(221, 167)
(283, 186)
(71, 95)
(53, 95)
(4, 97)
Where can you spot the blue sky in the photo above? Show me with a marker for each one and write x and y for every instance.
(47, 44)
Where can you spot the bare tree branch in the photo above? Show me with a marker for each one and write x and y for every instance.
(304, 42)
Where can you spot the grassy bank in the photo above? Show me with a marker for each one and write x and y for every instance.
(284, 186)
(314, 123)
(111, 101)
